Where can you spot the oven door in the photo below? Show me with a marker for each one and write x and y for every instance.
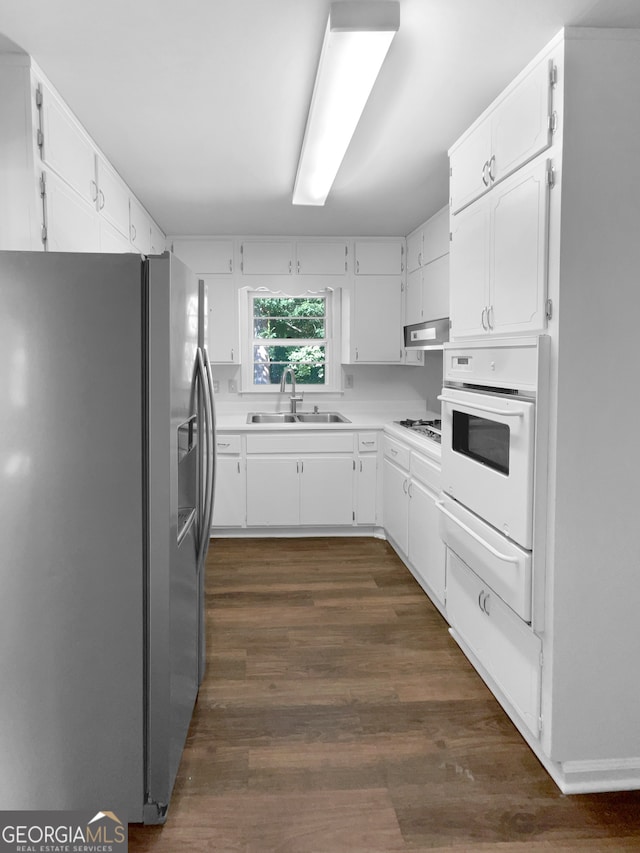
(487, 458)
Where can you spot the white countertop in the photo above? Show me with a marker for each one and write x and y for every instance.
(235, 420)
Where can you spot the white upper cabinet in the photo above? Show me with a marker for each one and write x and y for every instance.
(223, 329)
(158, 239)
(321, 258)
(265, 257)
(379, 257)
(427, 292)
(499, 258)
(64, 146)
(372, 321)
(517, 129)
(112, 196)
(71, 222)
(140, 227)
(205, 257)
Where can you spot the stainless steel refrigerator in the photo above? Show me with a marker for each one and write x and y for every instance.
(107, 470)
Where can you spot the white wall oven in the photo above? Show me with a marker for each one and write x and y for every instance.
(489, 420)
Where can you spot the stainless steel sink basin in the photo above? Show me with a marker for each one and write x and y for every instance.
(271, 418)
(321, 418)
(299, 418)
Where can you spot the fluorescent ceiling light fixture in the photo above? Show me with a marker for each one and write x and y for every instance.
(355, 44)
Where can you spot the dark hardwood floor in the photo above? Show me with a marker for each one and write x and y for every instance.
(338, 716)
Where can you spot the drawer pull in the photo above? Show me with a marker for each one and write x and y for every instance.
(369, 443)
(504, 557)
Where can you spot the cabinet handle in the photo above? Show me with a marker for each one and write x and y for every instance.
(302, 467)
(409, 490)
(133, 232)
(357, 266)
(231, 353)
(404, 487)
(483, 602)
(361, 466)
(490, 317)
(101, 202)
(357, 356)
(238, 466)
(492, 163)
(419, 259)
(483, 321)
(224, 443)
(94, 190)
(368, 443)
(230, 264)
(393, 451)
(484, 173)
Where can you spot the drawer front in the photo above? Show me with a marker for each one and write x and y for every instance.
(503, 644)
(228, 444)
(504, 566)
(397, 452)
(426, 471)
(367, 441)
(300, 442)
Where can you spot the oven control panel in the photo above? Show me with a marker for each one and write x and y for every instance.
(511, 363)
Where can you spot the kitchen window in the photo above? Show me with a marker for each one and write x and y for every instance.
(289, 330)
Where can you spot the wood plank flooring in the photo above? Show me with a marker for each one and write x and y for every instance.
(338, 716)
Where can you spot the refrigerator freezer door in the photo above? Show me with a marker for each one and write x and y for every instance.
(71, 549)
(173, 599)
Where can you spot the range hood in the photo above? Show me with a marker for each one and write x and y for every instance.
(431, 334)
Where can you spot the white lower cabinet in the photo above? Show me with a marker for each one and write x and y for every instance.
(273, 491)
(229, 507)
(326, 490)
(504, 647)
(411, 518)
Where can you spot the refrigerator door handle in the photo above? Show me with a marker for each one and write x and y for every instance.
(207, 473)
(211, 456)
(204, 451)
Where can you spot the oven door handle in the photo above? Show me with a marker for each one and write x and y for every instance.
(480, 408)
(505, 558)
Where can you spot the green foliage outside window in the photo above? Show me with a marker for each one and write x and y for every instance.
(289, 332)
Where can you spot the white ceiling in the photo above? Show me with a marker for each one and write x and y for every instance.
(201, 104)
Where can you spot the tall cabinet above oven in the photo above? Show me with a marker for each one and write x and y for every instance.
(543, 242)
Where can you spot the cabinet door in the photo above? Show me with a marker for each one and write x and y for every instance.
(426, 548)
(321, 258)
(435, 289)
(273, 491)
(73, 224)
(366, 490)
(206, 257)
(469, 271)
(113, 197)
(326, 490)
(223, 332)
(469, 163)
(518, 273)
(414, 251)
(66, 148)
(413, 298)
(158, 240)
(502, 643)
(140, 227)
(111, 240)
(520, 125)
(378, 258)
(261, 257)
(395, 499)
(436, 236)
(229, 504)
(377, 320)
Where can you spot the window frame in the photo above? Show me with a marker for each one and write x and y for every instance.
(330, 341)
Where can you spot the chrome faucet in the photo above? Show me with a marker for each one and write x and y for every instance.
(295, 398)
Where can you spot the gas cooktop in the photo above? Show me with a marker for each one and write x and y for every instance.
(429, 428)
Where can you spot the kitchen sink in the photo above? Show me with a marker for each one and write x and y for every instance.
(299, 418)
(271, 418)
(321, 418)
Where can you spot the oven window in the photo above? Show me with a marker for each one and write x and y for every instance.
(483, 440)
